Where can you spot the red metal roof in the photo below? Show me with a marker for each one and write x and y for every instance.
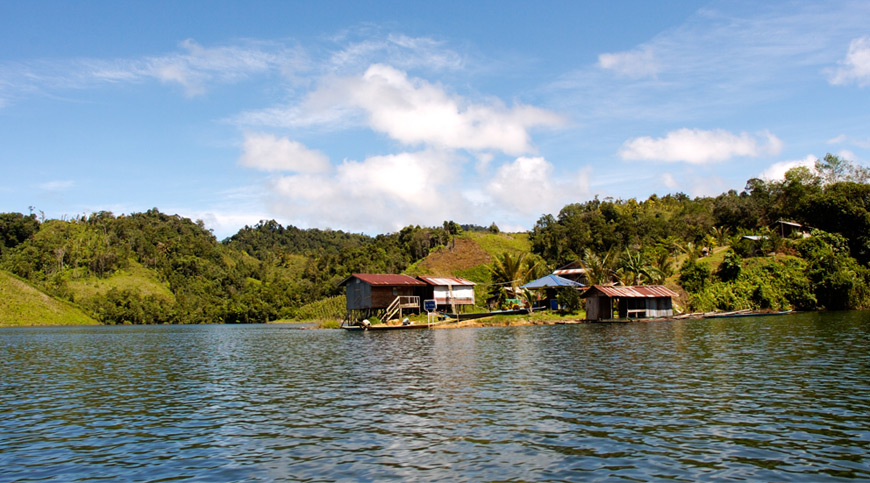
(459, 281)
(384, 279)
(636, 291)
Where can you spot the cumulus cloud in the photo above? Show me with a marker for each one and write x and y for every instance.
(416, 112)
(634, 64)
(270, 153)
(697, 146)
(777, 171)
(855, 68)
(380, 193)
(528, 186)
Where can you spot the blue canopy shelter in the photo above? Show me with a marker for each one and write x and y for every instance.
(550, 284)
(552, 281)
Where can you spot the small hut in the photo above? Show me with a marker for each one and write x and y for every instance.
(639, 301)
(448, 291)
(384, 295)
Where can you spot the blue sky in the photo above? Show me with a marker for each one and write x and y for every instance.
(369, 116)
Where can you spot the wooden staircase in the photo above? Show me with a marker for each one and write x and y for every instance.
(401, 302)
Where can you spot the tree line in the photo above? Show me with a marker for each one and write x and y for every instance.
(269, 271)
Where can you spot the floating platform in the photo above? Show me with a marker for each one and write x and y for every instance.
(361, 328)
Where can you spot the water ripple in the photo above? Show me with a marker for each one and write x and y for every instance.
(744, 399)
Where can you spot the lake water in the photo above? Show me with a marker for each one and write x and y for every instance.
(768, 398)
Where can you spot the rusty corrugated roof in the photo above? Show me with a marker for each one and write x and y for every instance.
(636, 291)
(384, 279)
(446, 281)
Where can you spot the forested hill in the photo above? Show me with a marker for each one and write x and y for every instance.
(156, 268)
(153, 267)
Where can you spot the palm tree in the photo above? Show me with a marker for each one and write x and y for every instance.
(598, 269)
(509, 270)
(637, 267)
(692, 251)
(721, 234)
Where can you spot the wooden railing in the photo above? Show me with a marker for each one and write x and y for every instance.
(401, 302)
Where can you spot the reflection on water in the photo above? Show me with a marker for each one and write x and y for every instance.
(771, 398)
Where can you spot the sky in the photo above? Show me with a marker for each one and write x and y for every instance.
(370, 116)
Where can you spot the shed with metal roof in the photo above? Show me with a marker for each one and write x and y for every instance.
(448, 291)
(639, 301)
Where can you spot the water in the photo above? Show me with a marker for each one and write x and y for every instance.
(770, 398)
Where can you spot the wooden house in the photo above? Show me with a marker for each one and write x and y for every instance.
(448, 292)
(640, 301)
(382, 295)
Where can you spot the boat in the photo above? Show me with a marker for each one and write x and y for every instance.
(729, 315)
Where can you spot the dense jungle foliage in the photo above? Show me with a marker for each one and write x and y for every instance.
(156, 268)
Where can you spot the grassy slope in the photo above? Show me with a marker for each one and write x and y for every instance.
(135, 278)
(21, 304)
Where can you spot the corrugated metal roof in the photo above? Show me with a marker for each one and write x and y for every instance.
(569, 271)
(636, 291)
(446, 281)
(384, 279)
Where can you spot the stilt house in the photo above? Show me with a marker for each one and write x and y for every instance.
(381, 295)
(640, 301)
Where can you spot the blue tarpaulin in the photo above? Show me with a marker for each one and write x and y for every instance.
(552, 281)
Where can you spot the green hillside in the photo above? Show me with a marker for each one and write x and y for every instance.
(23, 305)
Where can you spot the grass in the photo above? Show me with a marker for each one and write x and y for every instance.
(135, 278)
(498, 243)
(445, 262)
(23, 305)
(328, 309)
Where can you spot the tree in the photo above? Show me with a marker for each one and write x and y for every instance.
(511, 270)
(636, 268)
(598, 269)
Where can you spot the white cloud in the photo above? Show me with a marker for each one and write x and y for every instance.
(269, 153)
(634, 64)
(669, 181)
(57, 185)
(529, 186)
(395, 49)
(776, 171)
(193, 67)
(855, 68)
(847, 155)
(697, 146)
(837, 139)
(381, 193)
(415, 112)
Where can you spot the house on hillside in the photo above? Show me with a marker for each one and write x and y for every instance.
(381, 295)
(789, 228)
(635, 302)
(448, 292)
